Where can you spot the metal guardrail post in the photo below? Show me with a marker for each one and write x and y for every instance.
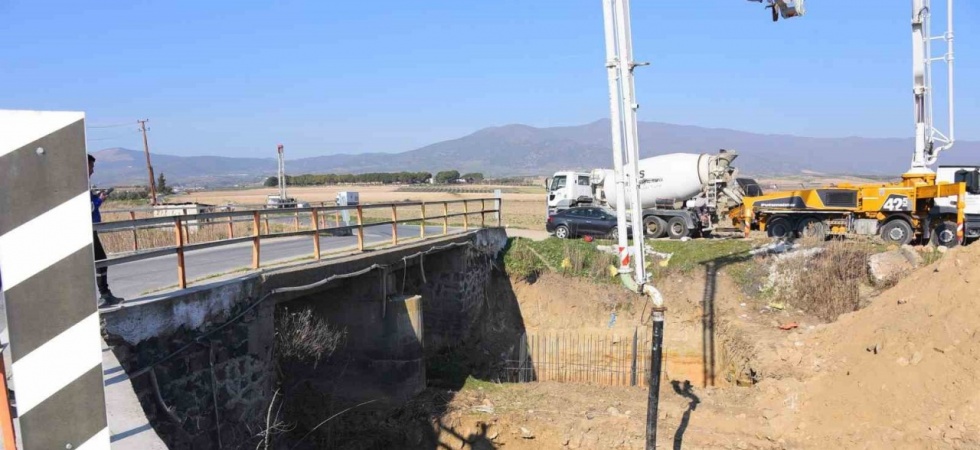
(316, 234)
(483, 213)
(266, 224)
(422, 228)
(136, 244)
(445, 218)
(466, 215)
(255, 239)
(394, 225)
(179, 235)
(336, 218)
(360, 229)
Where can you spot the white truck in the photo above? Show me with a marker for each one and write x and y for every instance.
(970, 175)
(682, 194)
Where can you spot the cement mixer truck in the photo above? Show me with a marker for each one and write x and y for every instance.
(682, 194)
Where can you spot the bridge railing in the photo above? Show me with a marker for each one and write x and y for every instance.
(190, 232)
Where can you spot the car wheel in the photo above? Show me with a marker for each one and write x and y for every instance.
(561, 232)
(677, 228)
(897, 231)
(945, 235)
(613, 234)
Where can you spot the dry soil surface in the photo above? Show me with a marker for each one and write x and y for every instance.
(901, 373)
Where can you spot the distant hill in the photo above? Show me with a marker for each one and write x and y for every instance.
(526, 150)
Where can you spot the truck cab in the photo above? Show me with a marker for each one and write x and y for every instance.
(567, 189)
(970, 175)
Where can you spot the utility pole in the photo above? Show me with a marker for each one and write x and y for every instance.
(149, 167)
(282, 174)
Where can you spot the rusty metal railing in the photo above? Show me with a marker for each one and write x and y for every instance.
(318, 224)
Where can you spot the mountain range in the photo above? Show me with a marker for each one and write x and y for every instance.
(525, 150)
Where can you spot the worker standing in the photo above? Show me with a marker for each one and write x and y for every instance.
(102, 274)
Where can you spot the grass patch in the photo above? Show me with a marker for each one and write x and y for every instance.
(528, 259)
(692, 254)
(475, 384)
(573, 257)
(751, 276)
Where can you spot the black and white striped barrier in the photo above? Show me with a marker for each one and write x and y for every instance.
(48, 276)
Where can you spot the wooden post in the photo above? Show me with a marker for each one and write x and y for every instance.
(255, 239)
(136, 244)
(394, 225)
(360, 229)
(231, 228)
(296, 221)
(483, 213)
(6, 420)
(466, 215)
(336, 217)
(316, 234)
(422, 228)
(266, 224)
(445, 218)
(181, 275)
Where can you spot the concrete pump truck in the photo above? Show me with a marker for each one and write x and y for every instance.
(917, 207)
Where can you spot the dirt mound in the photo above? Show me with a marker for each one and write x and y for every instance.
(903, 372)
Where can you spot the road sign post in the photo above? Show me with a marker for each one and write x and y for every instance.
(48, 272)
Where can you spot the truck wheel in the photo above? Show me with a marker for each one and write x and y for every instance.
(654, 227)
(814, 228)
(779, 228)
(561, 232)
(945, 235)
(677, 228)
(897, 231)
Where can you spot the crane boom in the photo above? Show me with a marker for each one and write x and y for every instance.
(929, 141)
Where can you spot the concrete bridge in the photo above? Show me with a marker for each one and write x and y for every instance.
(197, 368)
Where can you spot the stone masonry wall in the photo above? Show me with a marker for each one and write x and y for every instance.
(232, 365)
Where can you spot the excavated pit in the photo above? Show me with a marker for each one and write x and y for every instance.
(555, 329)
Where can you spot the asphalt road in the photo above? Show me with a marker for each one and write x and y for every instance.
(136, 278)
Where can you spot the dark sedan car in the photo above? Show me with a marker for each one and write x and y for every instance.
(582, 221)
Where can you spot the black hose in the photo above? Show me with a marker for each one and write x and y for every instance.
(653, 399)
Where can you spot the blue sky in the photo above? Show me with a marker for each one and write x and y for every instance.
(328, 76)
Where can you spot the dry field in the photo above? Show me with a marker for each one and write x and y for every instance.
(524, 208)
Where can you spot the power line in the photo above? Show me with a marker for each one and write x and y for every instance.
(108, 138)
(110, 126)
